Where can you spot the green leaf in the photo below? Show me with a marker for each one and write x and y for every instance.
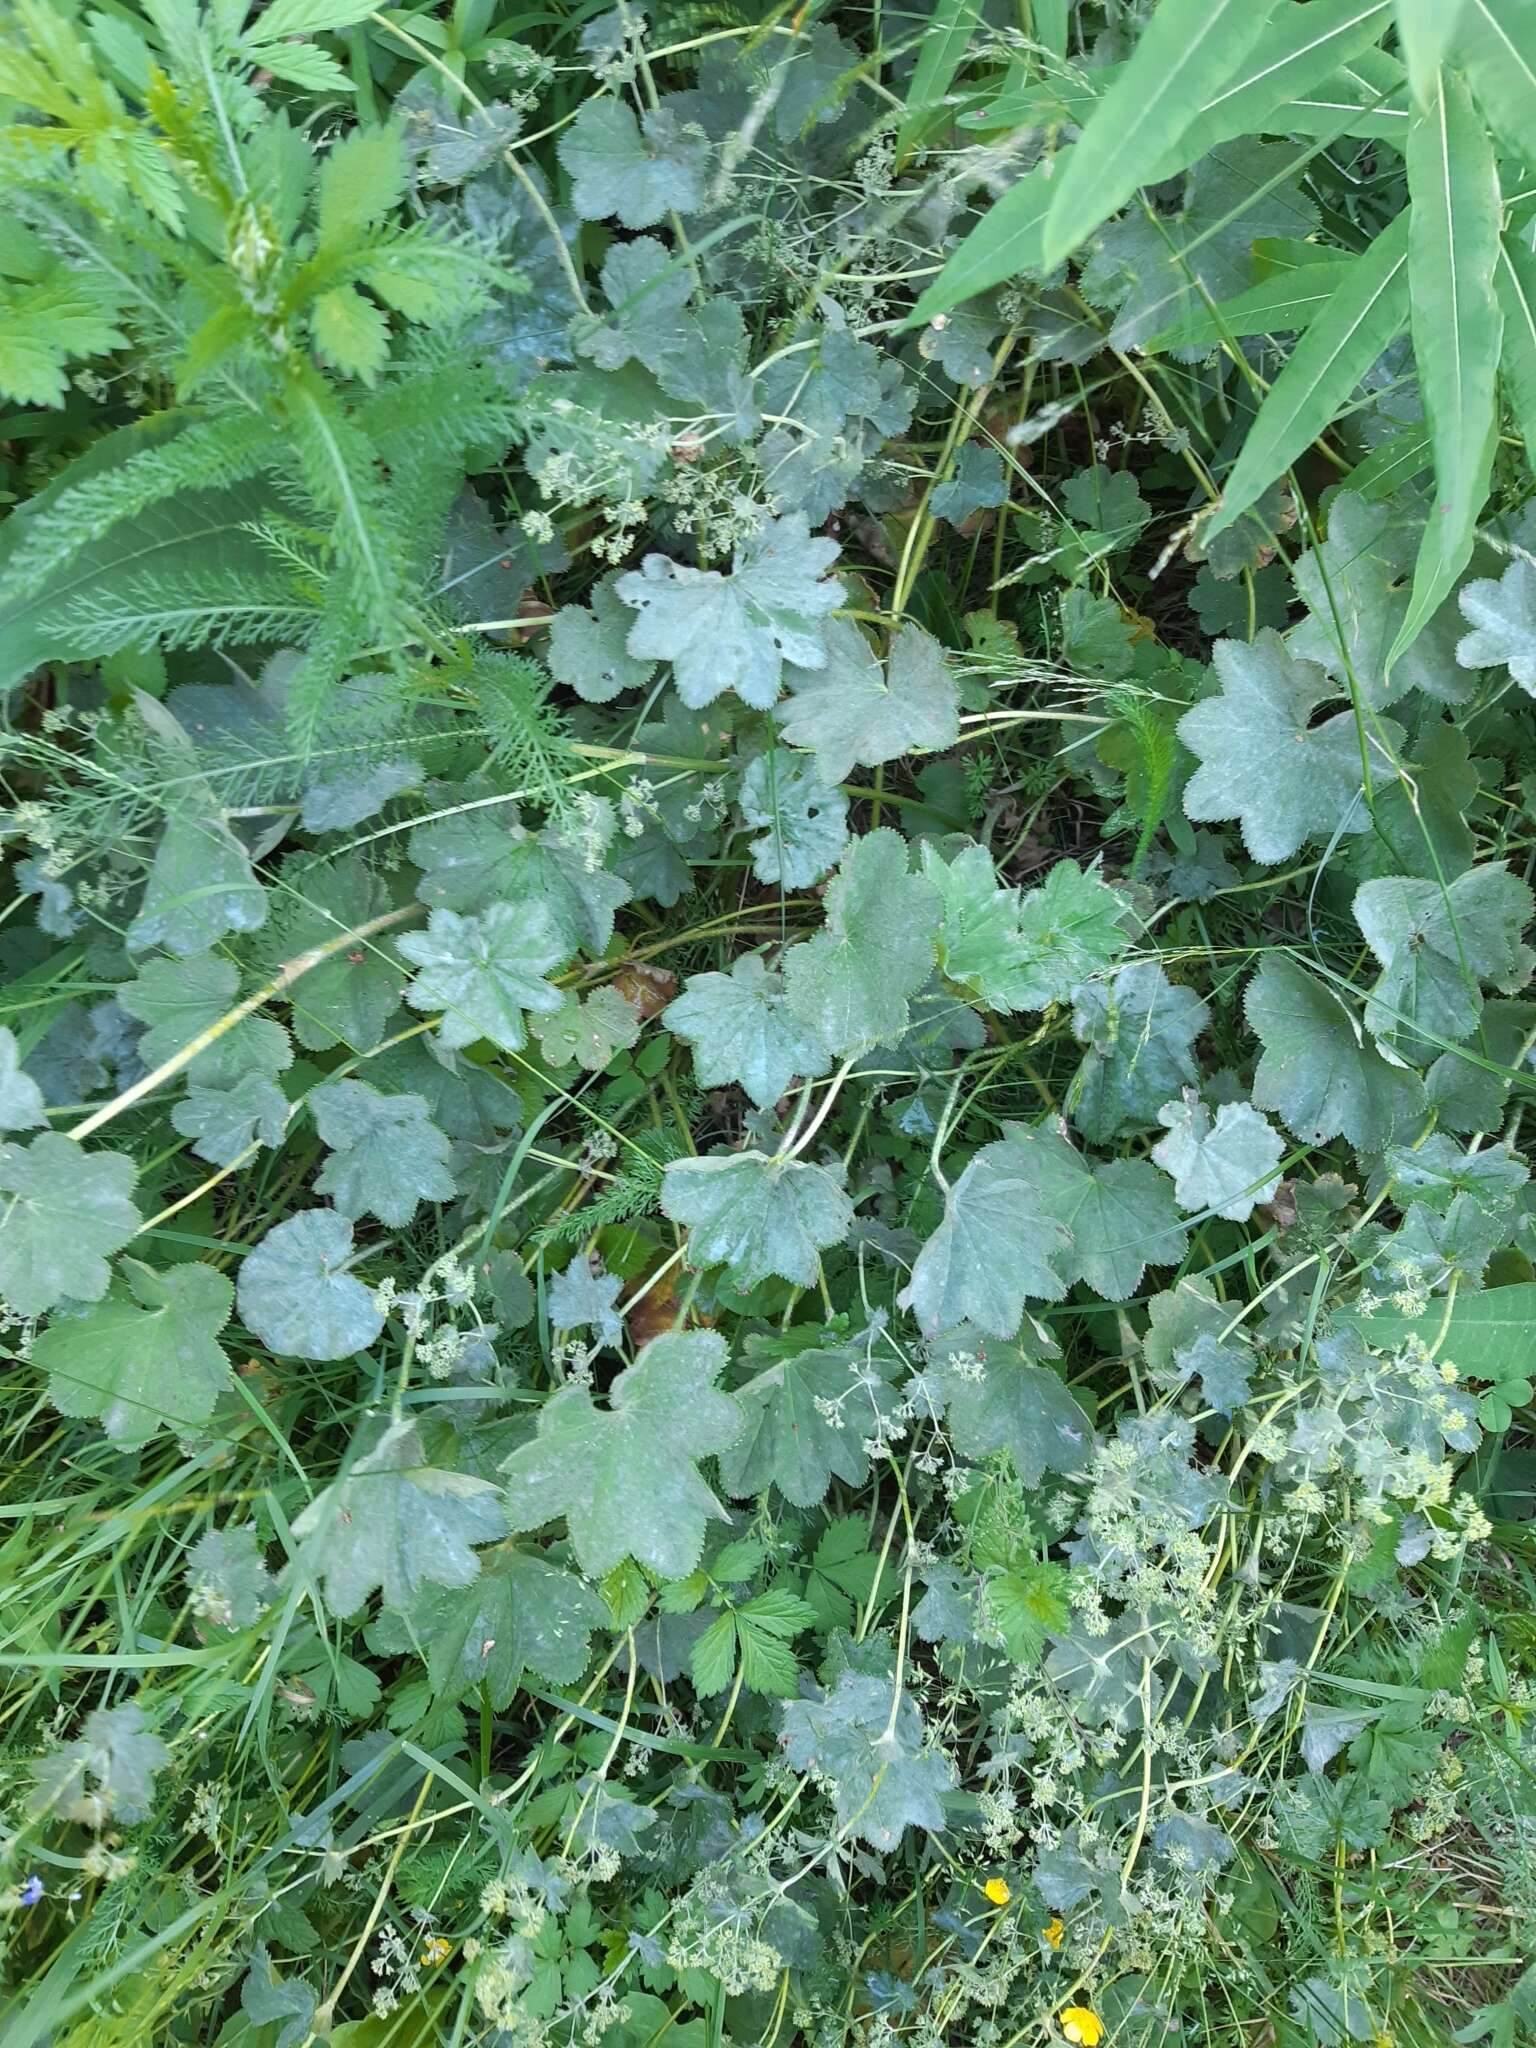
(228, 1583)
(587, 648)
(521, 1614)
(1426, 31)
(362, 179)
(1458, 324)
(757, 1216)
(1025, 1606)
(1008, 240)
(145, 1358)
(1496, 47)
(997, 1399)
(1435, 946)
(483, 973)
(941, 51)
(387, 1155)
(297, 1296)
(850, 712)
(180, 999)
(851, 982)
(1319, 1073)
(201, 886)
(394, 1524)
(804, 824)
(1024, 952)
(350, 332)
(1224, 1165)
(267, 1998)
(581, 1299)
(1502, 613)
(588, 1029)
(999, 1245)
(1185, 54)
(1262, 759)
(349, 998)
(1118, 1214)
(742, 1030)
(1369, 310)
(1140, 1030)
(482, 857)
(46, 321)
(626, 1476)
(223, 1122)
(809, 1418)
(762, 1631)
(1486, 1335)
(109, 1773)
(635, 172)
(1283, 303)
(867, 1740)
(63, 1213)
(736, 631)
(21, 1100)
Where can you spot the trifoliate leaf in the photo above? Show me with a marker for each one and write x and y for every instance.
(846, 710)
(851, 982)
(998, 1399)
(201, 885)
(587, 650)
(756, 1215)
(180, 999)
(1140, 1030)
(387, 1155)
(145, 1358)
(1356, 587)
(1435, 947)
(736, 631)
(742, 1029)
(804, 824)
(480, 858)
(1119, 1214)
(228, 1583)
(394, 1523)
(1263, 761)
(1027, 1604)
(580, 1299)
(63, 1213)
(998, 1246)
(21, 1100)
(884, 1775)
(297, 1296)
(626, 1476)
(809, 1418)
(223, 1122)
(762, 1631)
(483, 973)
(1022, 951)
(350, 996)
(1319, 1073)
(1502, 613)
(1226, 1165)
(978, 483)
(521, 1614)
(108, 1774)
(588, 1029)
(636, 172)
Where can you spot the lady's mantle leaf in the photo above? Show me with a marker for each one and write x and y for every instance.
(850, 983)
(626, 1476)
(387, 1155)
(1436, 946)
(63, 1212)
(179, 999)
(1225, 1166)
(742, 1029)
(484, 972)
(756, 1215)
(147, 1356)
(804, 824)
(587, 650)
(521, 1614)
(884, 1777)
(998, 1399)
(1502, 613)
(809, 1418)
(580, 1299)
(297, 1297)
(1262, 760)
(588, 1029)
(21, 1100)
(1023, 951)
(228, 1583)
(201, 885)
(222, 1122)
(850, 712)
(395, 1523)
(1319, 1073)
(736, 632)
(1140, 1030)
(109, 1773)
(635, 172)
(998, 1246)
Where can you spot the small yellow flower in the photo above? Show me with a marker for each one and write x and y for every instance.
(435, 1950)
(1052, 1932)
(996, 1889)
(1082, 2026)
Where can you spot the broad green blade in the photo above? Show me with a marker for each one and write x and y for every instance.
(1426, 30)
(1453, 248)
(1496, 47)
(1187, 52)
(1490, 1336)
(1006, 242)
(1341, 344)
(1516, 282)
(1281, 304)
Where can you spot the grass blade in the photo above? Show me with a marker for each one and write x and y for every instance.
(1007, 241)
(943, 51)
(1496, 46)
(1281, 304)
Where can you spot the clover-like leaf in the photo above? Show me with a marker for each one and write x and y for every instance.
(484, 973)
(626, 1476)
(1502, 613)
(587, 648)
(869, 1744)
(1140, 1030)
(635, 172)
(757, 1216)
(21, 1100)
(803, 823)
(588, 1029)
(998, 1246)
(393, 1523)
(851, 982)
(1262, 759)
(809, 1417)
(145, 1358)
(63, 1213)
(1436, 946)
(387, 1155)
(998, 1398)
(736, 631)
(201, 885)
(742, 1029)
(1319, 1073)
(848, 710)
(521, 1614)
(1225, 1165)
(296, 1293)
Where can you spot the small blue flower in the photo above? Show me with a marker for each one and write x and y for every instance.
(32, 1890)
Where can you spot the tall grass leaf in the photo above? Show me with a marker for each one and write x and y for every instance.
(1516, 284)
(1187, 52)
(1370, 308)
(1426, 29)
(1496, 47)
(1007, 240)
(1281, 304)
(1453, 247)
(939, 57)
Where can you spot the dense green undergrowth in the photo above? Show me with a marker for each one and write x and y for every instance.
(764, 1237)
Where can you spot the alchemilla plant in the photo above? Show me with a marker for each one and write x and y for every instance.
(765, 1233)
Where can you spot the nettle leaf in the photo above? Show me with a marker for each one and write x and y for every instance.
(588, 1029)
(847, 710)
(145, 1358)
(1502, 613)
(484, 973)
(757, 1216)
(884, 1774)
(1226, 1165)
(1026, 1605)
(1319, 1073)
(387, 1155)
(63, 1213)
(179, 999)
(804, 824)
(742, 1030)
(635, 172)
(1435, 947)
(1019, 951)
(998, 1399)
(1262, 760)
(107, 1774)
(808, 1419)
(224, 1122)
(350, 997)
(521, 1614)
(736, 631)
(998, 1246)
(201, 885)
(851, 982)
(587, 649)
(580, 1299)
(297, 1296)
(392, 1523)
(626, 1477)
(21, 1100)
(1140, 1030)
